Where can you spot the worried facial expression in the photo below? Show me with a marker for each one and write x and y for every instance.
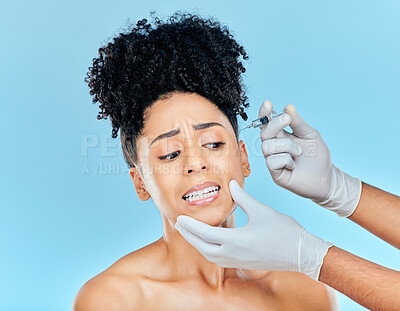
(187, 145)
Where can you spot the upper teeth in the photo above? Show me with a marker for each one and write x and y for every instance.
(201, 194)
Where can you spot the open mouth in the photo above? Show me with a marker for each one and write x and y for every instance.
(204, 196)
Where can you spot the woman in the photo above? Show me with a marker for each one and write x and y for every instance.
(174, 92)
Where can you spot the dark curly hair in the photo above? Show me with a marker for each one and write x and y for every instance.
(185, 54)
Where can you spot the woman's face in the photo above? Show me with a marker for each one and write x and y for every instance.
(201, 147)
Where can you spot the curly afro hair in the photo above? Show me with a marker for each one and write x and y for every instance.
(184, 54)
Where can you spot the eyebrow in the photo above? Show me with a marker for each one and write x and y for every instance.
(196, 127)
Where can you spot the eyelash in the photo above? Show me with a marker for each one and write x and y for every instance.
(166, 156)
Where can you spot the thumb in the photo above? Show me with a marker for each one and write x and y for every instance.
(300, 127)
(243, 199)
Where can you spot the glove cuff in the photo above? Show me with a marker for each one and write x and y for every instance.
(346, 193)
(312, 251)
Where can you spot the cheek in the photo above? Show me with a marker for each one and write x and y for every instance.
(221, 166)
(162, 181)
(227, 162)
(165, 180)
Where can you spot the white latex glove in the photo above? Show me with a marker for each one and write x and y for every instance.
(269, 241)
(300, 162)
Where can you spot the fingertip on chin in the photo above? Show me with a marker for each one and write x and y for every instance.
(234, 183)
(179, 220)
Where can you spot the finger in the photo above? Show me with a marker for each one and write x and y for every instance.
(243, 199)
(280, 145)
(265, 109)
(206, 232)
(275, 126)
(300, 127)
(202, 246)
(277, 162)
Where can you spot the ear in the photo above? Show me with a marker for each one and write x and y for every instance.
(139, 184)
(245, 159)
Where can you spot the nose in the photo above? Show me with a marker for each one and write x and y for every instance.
(196, 167)
(195, 161)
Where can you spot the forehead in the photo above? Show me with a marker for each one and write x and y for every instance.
(182, 110)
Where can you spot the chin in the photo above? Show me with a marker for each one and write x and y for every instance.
(213, 216)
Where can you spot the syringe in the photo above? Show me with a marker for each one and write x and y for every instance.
(263, 120)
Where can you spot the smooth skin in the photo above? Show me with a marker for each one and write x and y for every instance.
(170, 274)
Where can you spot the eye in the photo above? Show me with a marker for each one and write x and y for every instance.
(173, 155)
(169, 156)
(218, 144)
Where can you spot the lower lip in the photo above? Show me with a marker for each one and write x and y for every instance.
(205, 200)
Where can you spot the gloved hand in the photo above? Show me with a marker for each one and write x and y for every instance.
(269, 241)
(300, 162)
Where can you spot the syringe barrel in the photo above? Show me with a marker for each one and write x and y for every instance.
(268, 118)
(265, 119)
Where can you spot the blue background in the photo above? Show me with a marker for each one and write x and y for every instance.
(68, 212)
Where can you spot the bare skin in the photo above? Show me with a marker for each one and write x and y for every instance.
(379, 212)
(170, 274)
(144, 280)
(371, 285)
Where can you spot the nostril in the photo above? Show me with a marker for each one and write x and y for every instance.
(203, 167)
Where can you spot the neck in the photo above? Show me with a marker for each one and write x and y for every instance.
(187, 262)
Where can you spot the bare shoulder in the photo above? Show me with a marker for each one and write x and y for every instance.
(119, 287)
(107, 292)
(297, 290)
